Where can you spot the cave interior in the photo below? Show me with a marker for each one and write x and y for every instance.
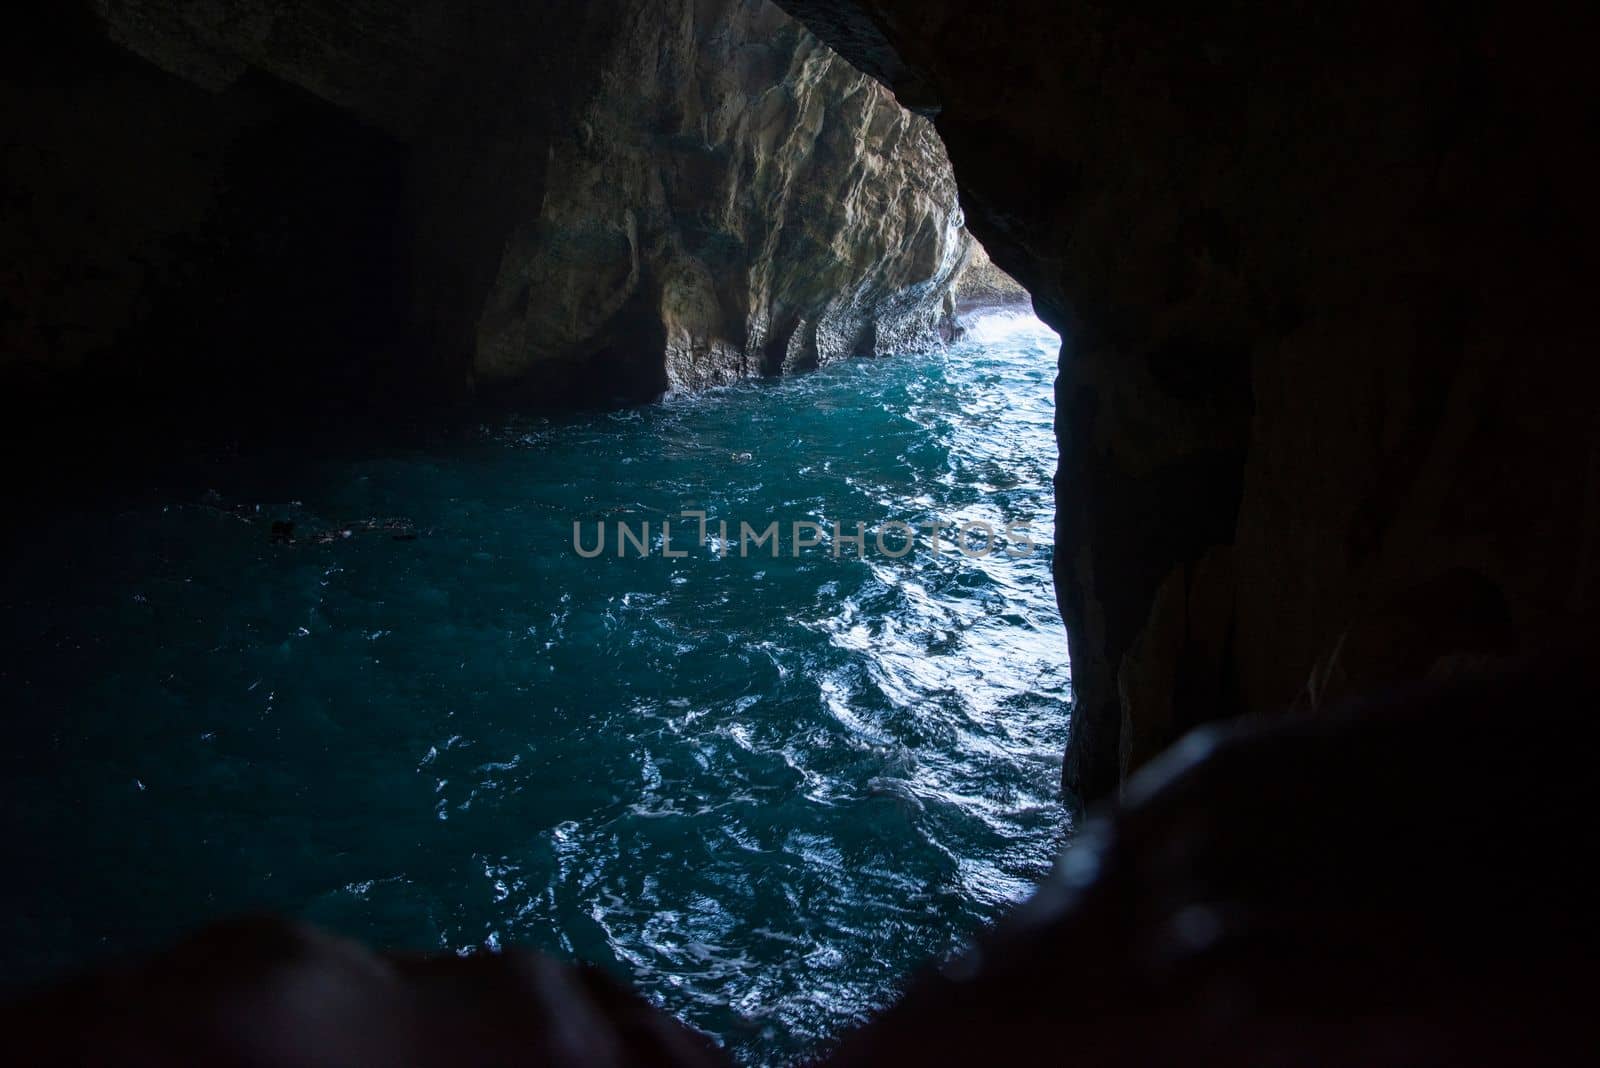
(1328, 489)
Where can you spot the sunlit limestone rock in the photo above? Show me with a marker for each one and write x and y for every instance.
(982, 284)
(733, 200)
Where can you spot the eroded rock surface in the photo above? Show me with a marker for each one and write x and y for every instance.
(734, 200)
(982, 284)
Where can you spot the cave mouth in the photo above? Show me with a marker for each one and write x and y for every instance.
(762, 790)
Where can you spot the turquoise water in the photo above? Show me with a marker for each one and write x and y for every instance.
(763, 790)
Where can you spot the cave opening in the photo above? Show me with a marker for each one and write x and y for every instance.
(376, 380)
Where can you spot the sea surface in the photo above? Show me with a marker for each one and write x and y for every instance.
(763, 790)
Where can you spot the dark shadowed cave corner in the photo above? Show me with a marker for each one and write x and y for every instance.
(186, 268)
(1326, 415)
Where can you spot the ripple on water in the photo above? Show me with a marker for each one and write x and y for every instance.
(761, 789)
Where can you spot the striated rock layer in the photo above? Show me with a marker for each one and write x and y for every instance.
(1326, 407)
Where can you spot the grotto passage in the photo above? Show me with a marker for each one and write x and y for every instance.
(1328, 471)
(760, 790)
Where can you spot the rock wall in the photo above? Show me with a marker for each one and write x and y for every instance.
(1326, 403)
(359, 206)
(982, 284)
(733, 200)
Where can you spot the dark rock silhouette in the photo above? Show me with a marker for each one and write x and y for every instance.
(1321, 279)
(1395, 880)
(269, 992)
